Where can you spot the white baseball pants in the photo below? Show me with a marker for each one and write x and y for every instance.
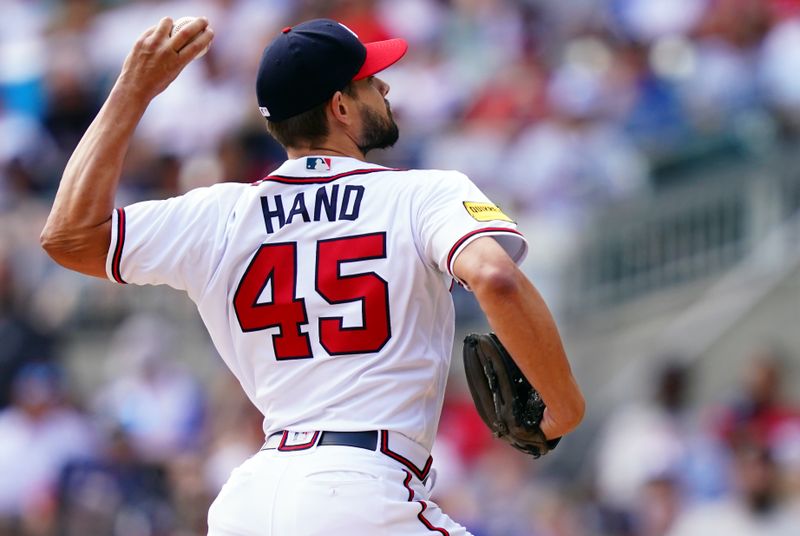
(326, 490)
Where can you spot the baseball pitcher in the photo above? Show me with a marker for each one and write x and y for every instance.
(325, 287)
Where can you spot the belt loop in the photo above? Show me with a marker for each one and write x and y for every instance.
(420, 471)
(294, 441)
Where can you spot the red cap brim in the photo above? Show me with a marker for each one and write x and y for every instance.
(380, 55)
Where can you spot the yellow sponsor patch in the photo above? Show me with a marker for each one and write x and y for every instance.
(485, 211)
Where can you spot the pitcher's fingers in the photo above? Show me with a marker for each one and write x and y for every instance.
(191, 50)
(188, 32)
(148, 32)
(162, 29)
(146, 35)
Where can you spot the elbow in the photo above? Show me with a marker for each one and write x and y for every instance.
(82, 249)
(500, 279)
(48, 242)
(51, 245)
(55, 245)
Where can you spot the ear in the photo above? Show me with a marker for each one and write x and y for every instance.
(342, 109)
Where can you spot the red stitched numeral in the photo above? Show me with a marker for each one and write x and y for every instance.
(276, 265)
(370, 288)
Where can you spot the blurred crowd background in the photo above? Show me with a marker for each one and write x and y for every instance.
(647, 149)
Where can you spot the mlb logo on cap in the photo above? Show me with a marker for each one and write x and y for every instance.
(316, 163)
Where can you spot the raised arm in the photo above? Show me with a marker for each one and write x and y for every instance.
(523, 323)
(78, 230)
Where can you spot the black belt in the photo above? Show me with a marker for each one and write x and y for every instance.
(402, 449)
(363, 440)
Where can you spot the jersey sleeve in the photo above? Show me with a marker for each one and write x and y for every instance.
(452, 213)
(174, 242)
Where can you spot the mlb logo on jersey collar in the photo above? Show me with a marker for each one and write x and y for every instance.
(317, 163)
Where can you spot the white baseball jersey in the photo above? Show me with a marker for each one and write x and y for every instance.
(325, 287)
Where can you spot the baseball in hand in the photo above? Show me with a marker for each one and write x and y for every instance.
(180, 23)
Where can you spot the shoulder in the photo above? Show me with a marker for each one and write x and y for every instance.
(434, 179)
(222, 190)
(205, 206)
(441, 174)
(216, 193)
(221, 197)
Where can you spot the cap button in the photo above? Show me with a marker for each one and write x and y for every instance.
(287, 29)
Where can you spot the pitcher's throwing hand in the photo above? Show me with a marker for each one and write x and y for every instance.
(160, 54)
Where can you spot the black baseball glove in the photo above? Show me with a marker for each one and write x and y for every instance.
(506, 401)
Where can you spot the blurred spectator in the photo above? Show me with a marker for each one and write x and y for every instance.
(479, 38)
(418, 21)
(27, 155)
(784, 9)
(463, 427)
(190, 496)
(647, 20)
(714, 70)
(543, 172)
(780, 61)
(72, 85)
(479, 144)
(155, 402)
(40, 434)
(461, 443)
(760, 414)
(249, 153)
(115, 493)
(361, 17)
(561, 169)
(235, 430)
(21, 341)
(656, 118)
(643, 448)
(756, 509)
(657, 507)
(510, 496)
(22, 56)
(423, 97)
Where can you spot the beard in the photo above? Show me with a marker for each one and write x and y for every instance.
(379, 132)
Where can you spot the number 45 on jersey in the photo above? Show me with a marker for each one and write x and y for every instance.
(276, 265)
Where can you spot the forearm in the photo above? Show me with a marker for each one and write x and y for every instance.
(86, 194)
(523, 323)
(77, 232)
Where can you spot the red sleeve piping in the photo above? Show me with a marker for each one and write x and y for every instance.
(117, 259)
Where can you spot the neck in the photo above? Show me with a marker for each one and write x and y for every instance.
(337, 143)
(295, 153)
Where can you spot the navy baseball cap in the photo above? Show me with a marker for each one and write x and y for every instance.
(306, 64)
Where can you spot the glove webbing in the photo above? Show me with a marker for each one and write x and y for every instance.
(500, 427)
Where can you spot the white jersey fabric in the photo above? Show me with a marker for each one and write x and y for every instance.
(325, 287)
